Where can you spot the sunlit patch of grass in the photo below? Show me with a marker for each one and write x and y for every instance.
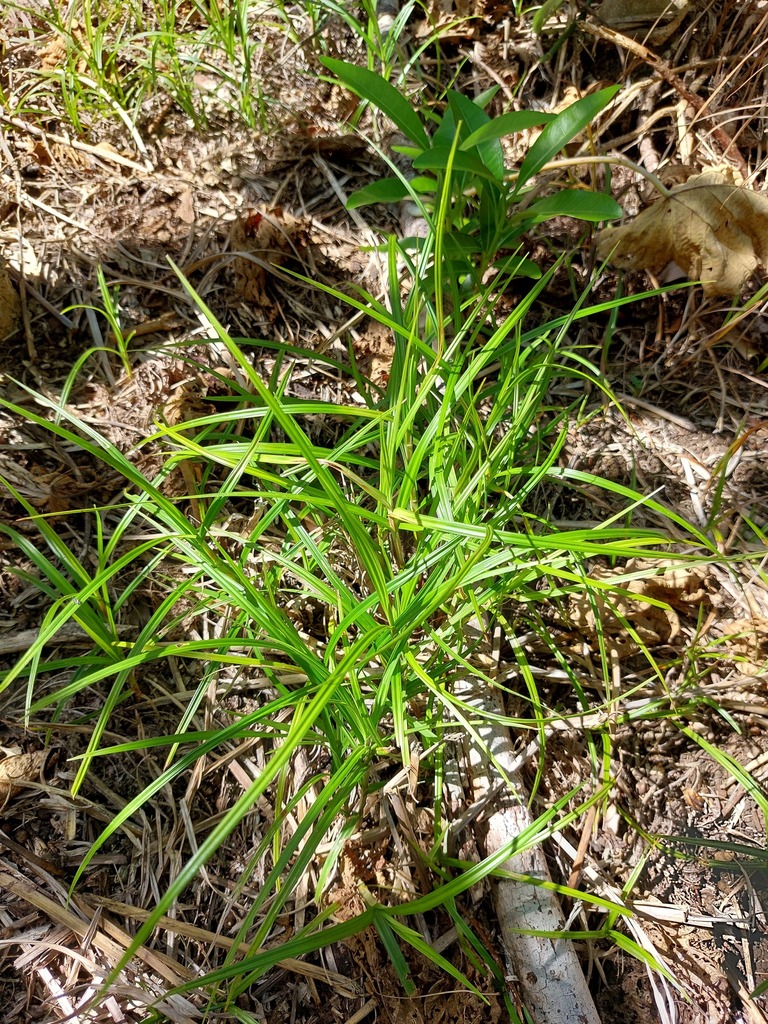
(113, 60)
(417, 517)
(421, 514)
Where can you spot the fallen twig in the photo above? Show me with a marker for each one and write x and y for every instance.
(108, 155)
(730, 149)
(547, 970)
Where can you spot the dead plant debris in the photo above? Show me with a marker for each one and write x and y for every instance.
(715, 231)
(10, 305)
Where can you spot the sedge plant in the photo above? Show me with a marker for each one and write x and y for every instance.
(413, 516)
(429, 496)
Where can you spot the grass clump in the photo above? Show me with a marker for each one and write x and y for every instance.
(418, 520)
(359, 574)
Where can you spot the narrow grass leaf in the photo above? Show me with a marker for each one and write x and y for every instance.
(395, 954)
(417, 942)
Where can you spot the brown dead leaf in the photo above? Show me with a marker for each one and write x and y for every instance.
(607, 616)
(40, 152)
(55, 491)
(746, 640)
(186, 403)
(630, 16)
(374, 351)
(56, 52)
(453, 19)
(268, 238)
(53, 54)
(186, 207)
(17, 769)
(682, 586)
(10, 306)
(677, 587)
(716, 232)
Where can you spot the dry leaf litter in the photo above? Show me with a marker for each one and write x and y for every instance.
(714, 230)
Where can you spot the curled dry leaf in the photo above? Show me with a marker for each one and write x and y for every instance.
(186, 208)
(715, 231)
(677, 586)
(264, 241)
(630, 16)
(10, 307)
(16, 769)
(746, 641)
(607, 615)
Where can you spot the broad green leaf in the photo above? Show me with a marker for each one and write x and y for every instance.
(474, 119)
(422, 184)
(412, 243)
(377, 90)
(560, 132)
(445, 131)
(491, 217)
(387, 190)
(439, 158)
(410, 151)
(510, 239)
(518, 265)
(459, 244)
(485, 98)
(507, 124)
(464, 110)
(571, 202)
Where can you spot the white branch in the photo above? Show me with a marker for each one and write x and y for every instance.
(547, 970)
